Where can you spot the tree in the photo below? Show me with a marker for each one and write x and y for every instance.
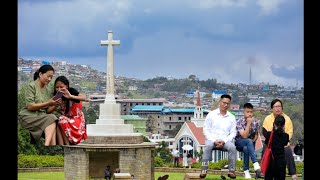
(156, 94)
(192, 77)
(90, 115)
(164, 152)
(176, 130)
(295, 111)
(199, 154)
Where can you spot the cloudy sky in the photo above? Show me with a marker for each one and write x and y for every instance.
(209, 38)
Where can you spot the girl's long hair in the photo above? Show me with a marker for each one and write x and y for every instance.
(72, 91)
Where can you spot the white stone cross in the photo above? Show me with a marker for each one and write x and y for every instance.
(110, 63)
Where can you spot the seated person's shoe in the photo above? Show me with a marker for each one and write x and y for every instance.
(203, 173)
(247, 174)
(259, 174)
(232, 174)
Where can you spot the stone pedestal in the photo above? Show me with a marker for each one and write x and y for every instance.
(90, 158)
(110, 122)
(122, 176)
(190, 176)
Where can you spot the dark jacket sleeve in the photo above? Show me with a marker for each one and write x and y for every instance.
(266, 135)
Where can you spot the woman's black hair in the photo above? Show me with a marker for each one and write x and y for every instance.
(43, 69)
(275, 101)
(72, 91)
(279, 121)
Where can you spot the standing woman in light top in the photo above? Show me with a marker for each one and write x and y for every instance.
(38, 102)
(277, 110)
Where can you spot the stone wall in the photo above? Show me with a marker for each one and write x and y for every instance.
(90, 160)
(76, 156)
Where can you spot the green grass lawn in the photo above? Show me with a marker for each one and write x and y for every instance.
(60, 176)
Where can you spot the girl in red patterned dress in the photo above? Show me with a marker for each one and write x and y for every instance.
(71, 121)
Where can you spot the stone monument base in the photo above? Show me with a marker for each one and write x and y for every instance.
(189, 176)
(89, 159)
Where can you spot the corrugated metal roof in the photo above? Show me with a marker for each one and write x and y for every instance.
(220, 92)
(132, 117)
(147, 108)
(164, 110)
(182, 110)
(156, 100)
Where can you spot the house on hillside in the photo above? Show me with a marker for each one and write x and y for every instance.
(217, 94)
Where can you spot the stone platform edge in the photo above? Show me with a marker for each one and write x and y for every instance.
(156, 169)
(113, 146)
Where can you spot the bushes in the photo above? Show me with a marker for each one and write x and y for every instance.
(220, 165)
(35, 161)
(299, 167)
(158, 162)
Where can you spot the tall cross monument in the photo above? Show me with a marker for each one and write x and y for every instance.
(110, 66)
(109, 122)
(110, 141)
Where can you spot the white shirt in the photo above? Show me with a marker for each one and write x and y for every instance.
(220, 127)
(175, 153)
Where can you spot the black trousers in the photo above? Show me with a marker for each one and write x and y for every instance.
(291, 165)
(176, 161)
(276, 169)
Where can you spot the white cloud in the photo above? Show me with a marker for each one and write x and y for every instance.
(270, 6)
(211, 39)
(208, 4)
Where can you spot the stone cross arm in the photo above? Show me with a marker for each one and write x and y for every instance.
(110, 42)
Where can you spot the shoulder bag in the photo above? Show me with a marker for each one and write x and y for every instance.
(267, 155)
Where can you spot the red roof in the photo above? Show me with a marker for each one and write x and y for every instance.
(197, 132)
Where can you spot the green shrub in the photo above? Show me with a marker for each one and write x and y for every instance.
(34, 161)
(222, 163)
(158, 162)
(196, 165)
(299, 167)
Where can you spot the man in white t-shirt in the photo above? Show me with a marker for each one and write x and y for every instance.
(175, 154)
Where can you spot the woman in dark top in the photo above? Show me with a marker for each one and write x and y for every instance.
(277, 166)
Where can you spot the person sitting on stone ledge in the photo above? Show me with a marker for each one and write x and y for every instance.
(107, 173)
(117, 170)
(71, 122)
(219, 129)
(35, 116)
(247, 134)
